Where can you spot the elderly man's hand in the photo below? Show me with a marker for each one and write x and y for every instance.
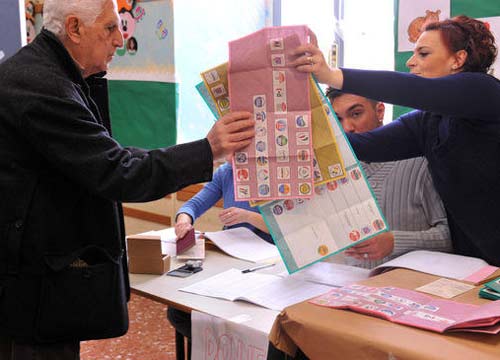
(231, 133)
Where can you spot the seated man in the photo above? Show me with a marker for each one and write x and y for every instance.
(404, 190)
(235, 214)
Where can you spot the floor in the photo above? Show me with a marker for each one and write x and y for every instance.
(150, 336)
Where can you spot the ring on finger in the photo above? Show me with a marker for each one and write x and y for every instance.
(310, 60)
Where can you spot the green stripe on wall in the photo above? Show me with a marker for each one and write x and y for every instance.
(143, 113)
(475, 8)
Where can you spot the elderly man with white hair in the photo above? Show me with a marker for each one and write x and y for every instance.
(63, 271)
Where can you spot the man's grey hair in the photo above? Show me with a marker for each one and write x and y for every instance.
(55, 13)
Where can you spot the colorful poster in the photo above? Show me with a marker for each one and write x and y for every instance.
(494, 24)
(148, 42)
(12, 28)
(278, 164)
(414, 16)
(341, 214)
(142, 88)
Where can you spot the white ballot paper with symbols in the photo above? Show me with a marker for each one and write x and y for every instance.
(342, 213)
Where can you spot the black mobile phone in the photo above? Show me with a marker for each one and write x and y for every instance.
(185, 270)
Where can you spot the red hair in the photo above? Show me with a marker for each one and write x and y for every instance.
(471, 35)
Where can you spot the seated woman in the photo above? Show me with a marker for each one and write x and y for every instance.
(235, 213)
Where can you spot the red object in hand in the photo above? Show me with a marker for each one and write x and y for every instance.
(186, 242)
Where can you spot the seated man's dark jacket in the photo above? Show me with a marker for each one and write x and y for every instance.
(62, 260)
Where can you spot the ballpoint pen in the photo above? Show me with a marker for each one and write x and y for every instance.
(258, 267)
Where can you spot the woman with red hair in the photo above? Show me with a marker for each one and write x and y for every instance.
(456, 126)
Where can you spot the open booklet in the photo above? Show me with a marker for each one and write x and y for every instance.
(408, 307)
(266, 290)
(242, 243)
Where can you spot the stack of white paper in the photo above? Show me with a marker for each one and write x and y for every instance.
(269, 291)
(242, 243)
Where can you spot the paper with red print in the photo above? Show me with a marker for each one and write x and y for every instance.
(341, 214)
(278, 164)
(411, 308)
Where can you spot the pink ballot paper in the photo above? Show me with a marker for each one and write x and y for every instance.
(278, 164)
(411, 308)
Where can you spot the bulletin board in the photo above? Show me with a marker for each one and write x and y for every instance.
(411, 15)
(142, 87)
(12, 28)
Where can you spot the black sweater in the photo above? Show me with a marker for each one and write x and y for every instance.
(61, 176)
(458, 130)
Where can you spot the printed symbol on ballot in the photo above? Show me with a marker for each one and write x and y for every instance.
(304, 172)
(355, 174)
(279, 76)
(277, 210)
(284, 189)
(335, 170)
(243, 191)
(242, 174)
(354, 235)
(319, 189)
(262, 160)
(277, 44)
(303, 155)
(301, 121)
(281, 124)
(323, 250)
(302, 138)
(281, 107)
(288, 204)
(378, 224)
(260, 116)
(283, 155)
(331, 185)
(263, 174)
(260, 146)
(223, 103)
(212, 76)
(259, 101)
(241, 158)
(305, 189)
(283, 172)
(281, 140)
(219, 90)
(260, 131)
(278, 60)
(264, 189)
(327, 109)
